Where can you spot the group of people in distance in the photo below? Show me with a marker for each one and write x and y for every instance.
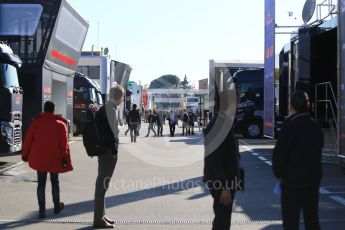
(188, 119)
(157, 119)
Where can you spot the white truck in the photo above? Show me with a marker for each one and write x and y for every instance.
(106, 72)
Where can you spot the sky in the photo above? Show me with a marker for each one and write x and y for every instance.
(157, 37)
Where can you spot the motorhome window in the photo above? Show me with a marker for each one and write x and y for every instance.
(70, 30)
(9, 75)
(19, 19)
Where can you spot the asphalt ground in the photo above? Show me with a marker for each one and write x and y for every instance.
(157, 185)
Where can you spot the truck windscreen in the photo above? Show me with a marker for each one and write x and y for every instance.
(92, 72)
(9, 75)
(99, 98)
(19, 19)
(92, 92)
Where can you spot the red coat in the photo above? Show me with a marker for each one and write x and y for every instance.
(46, 143)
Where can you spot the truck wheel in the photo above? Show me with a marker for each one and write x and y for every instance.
(253, 130)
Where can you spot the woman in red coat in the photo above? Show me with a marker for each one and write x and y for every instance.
(46, 149)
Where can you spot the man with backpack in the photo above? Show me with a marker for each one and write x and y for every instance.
(134, 122)
(107, 127)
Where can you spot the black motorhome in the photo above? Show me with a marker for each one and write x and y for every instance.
(48, 36)
(11, 98)
(86, 92)
(309, 63)
(249, 115)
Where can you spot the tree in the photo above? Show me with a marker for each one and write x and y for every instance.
(165, 82)
(185, 83)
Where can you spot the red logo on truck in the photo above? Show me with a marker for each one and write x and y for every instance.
(63, 58)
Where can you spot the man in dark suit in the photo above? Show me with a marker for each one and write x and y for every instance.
(221, 161)
(297, 164)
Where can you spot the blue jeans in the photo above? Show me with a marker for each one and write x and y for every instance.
(151, 128)
(41, 188)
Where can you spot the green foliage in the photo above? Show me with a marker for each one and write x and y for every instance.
(185, 83)
(165, 82)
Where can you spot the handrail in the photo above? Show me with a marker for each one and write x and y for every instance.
(328, 83)
(330, 101)
(331, 9)
(327, 101)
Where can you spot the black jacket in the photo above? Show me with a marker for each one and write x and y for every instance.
(191, 117)
(90, 115)
(134, 118)
(221, 166)
(152, 119)
(108, 139)
(297, 155)
(185, 117)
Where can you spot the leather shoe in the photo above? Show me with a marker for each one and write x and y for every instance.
(58, 207)
(102, 225)
(109, 220)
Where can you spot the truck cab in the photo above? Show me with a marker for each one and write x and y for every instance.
(249, 115)
(11, 97)
(86, 92)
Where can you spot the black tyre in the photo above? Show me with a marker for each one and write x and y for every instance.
(76, 129)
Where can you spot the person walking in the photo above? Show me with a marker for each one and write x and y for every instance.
(107, 123)
(127, 121)
(46, 150)
(172, 122)
(160, 120)
(185, 119)
(297, 165)
(139, 125)
(221, 163)
(134, 122)
(151, 119)
(191, 119)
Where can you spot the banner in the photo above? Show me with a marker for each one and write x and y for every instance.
(269, 68)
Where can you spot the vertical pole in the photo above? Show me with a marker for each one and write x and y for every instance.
(97, 34)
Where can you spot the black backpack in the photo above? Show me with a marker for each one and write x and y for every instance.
(185, 117)
(92, 139)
